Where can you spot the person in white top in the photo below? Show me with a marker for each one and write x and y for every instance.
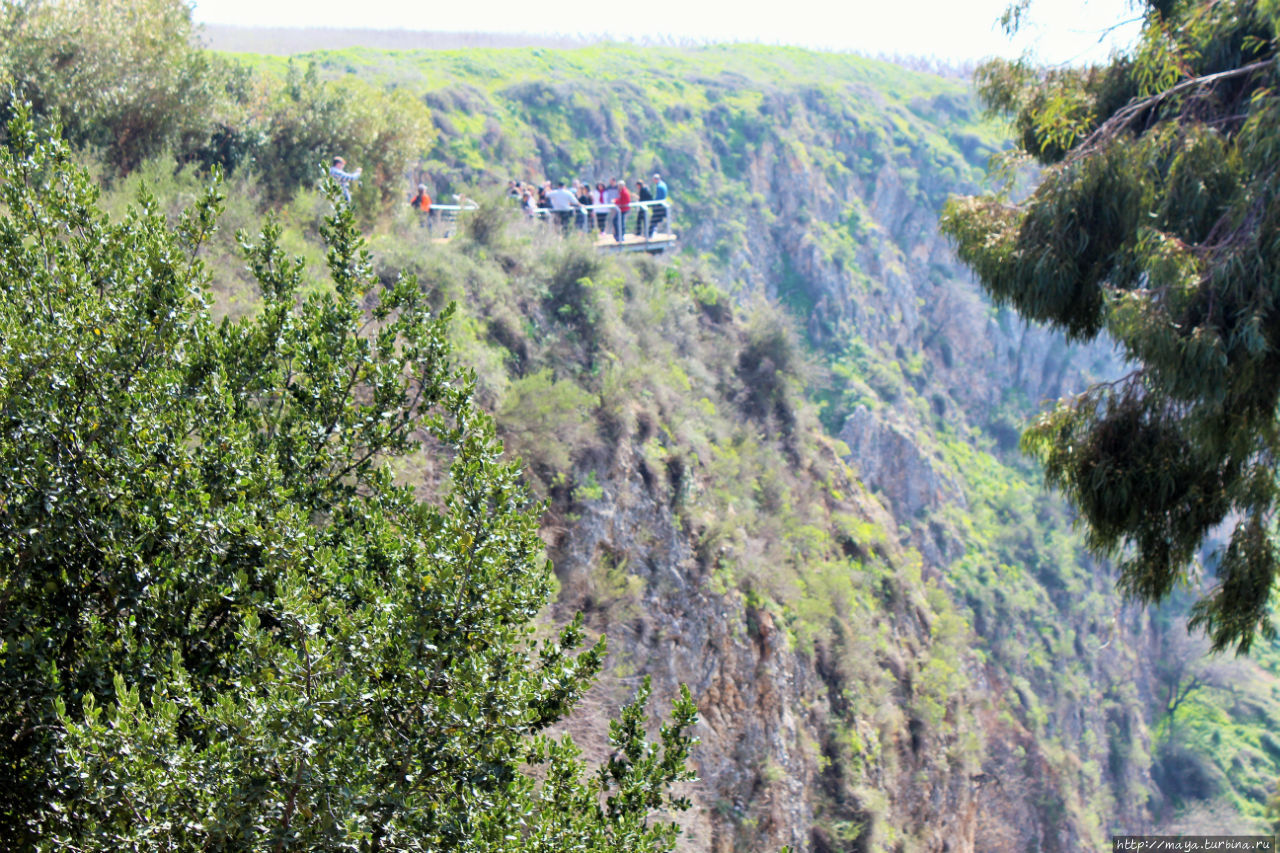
(562, 202)
(338, 171)
(611, 198)
(601, 214)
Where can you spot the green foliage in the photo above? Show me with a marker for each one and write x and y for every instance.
(1214, 739)
(768, 365)
(642, 383)
(130, 80)
(705, 117)
(226, 624)
(308, 121)
(546, 420)
(659, 385)
(752, 140)
(1155, 224)
(127, 78)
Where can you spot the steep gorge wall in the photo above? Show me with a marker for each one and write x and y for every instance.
(946, 669)
(904, 295)
(888, 280)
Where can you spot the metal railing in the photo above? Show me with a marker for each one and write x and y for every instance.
(447, 217)
(647, 221)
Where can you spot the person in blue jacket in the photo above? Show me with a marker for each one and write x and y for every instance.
(659, 210)
(344, 178)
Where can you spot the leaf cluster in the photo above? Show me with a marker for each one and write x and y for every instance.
(127, 78)
(223, 623)
(1155, 224)
(130, 80)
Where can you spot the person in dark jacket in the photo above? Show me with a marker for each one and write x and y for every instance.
(585, 202)
(642, 212)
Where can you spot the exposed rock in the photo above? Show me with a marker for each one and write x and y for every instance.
(890, 461)
(760, 702)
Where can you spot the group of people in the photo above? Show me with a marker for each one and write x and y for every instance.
(602, 207)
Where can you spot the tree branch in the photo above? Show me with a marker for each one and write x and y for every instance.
(1126, 115)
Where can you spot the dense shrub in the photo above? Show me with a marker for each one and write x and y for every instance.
(226, 624)
(123, 77)
(308, 121)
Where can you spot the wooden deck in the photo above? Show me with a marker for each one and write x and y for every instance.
(635, 243)
(656, 244)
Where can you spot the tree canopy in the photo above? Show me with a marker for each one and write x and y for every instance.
(127, 78)
(1156, 223)
(224, 623)
(130, 80)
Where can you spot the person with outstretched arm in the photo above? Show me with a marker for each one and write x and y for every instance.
(344, 178)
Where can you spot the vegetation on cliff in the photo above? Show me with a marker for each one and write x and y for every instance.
(778, 434)
(226, 624)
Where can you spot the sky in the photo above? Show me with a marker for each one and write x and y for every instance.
(1060, 31)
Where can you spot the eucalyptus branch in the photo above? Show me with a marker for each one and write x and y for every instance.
(1126, 115)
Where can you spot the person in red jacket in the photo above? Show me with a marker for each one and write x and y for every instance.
(624, 204)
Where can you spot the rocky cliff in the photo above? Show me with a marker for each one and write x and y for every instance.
(781, 467)
(1011, 759)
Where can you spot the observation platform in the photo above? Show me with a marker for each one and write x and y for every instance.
(654, 245)
(655, 235)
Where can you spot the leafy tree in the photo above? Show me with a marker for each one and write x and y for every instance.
(1156, 223)
(130, 80)
(125, 77)
(224, 625)
(307, 121)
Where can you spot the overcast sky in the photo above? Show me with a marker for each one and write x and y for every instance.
(958, 30)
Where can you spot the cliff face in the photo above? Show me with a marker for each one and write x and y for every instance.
(762, 704)
(1018, 760)
(782, 467)
(778, 716)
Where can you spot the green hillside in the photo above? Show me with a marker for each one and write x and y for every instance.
(702, 115)
(779, 466)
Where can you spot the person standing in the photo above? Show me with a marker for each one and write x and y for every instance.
(624, 204)
(562, 202)
(643, 211)
(602, 212)
(585, 203)
(659, 209)
(611, 199)
(422, 203)
(344, 178)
